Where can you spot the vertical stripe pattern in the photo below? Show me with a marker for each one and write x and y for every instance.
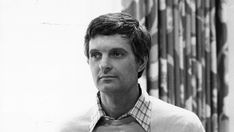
(188, 59)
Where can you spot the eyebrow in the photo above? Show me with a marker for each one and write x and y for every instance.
(119, 49)
(113, 49)
(93, 50)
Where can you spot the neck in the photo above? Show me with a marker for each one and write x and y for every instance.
(117, 104)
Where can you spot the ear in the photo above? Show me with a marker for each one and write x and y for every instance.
(142, 63)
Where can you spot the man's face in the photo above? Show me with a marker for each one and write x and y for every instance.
(113, 65)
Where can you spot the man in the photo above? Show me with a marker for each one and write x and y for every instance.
(117, 48)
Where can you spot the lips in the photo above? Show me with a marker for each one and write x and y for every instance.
(107, 77)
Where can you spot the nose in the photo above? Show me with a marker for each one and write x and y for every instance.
(105, 65)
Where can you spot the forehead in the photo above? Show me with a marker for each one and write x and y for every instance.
(108, 42)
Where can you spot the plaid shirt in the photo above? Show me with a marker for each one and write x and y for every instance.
(140, 112)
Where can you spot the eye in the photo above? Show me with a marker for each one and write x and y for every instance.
(117, 54)
(95, 55)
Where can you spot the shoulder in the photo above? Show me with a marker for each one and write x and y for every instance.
(173, 118)
(80, 123)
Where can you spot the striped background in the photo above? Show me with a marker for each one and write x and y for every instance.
(188, 59)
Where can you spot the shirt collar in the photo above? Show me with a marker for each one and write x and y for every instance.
(141, 112)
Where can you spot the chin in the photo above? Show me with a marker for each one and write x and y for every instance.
(108, 88)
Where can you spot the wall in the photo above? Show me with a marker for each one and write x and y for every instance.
(44, 77)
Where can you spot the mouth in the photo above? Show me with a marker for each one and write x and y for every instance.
(107, 77)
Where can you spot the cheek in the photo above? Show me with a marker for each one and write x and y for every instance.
(129, 70)
(94, 69)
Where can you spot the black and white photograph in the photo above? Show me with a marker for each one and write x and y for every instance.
(116, 66)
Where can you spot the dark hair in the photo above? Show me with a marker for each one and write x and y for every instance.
(125, 25)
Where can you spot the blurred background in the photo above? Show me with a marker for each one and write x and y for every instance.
(44, 77)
